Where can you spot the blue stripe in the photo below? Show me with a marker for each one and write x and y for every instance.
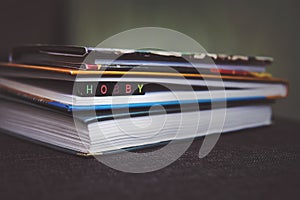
(149, 104)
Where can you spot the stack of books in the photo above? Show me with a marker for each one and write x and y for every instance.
(95, 100)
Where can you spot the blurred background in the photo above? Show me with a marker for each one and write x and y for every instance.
(253, 27)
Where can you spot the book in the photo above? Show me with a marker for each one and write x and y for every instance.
(66, 99)
(91, 58)
(54, 128)
(61, 95)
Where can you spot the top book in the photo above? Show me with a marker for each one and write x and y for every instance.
(78, 56)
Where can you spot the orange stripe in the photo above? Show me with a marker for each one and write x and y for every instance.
(56, 69)
(168, 74)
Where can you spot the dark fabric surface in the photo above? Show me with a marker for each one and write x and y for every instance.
(260, 163)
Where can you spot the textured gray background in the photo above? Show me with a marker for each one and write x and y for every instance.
(261, 163)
